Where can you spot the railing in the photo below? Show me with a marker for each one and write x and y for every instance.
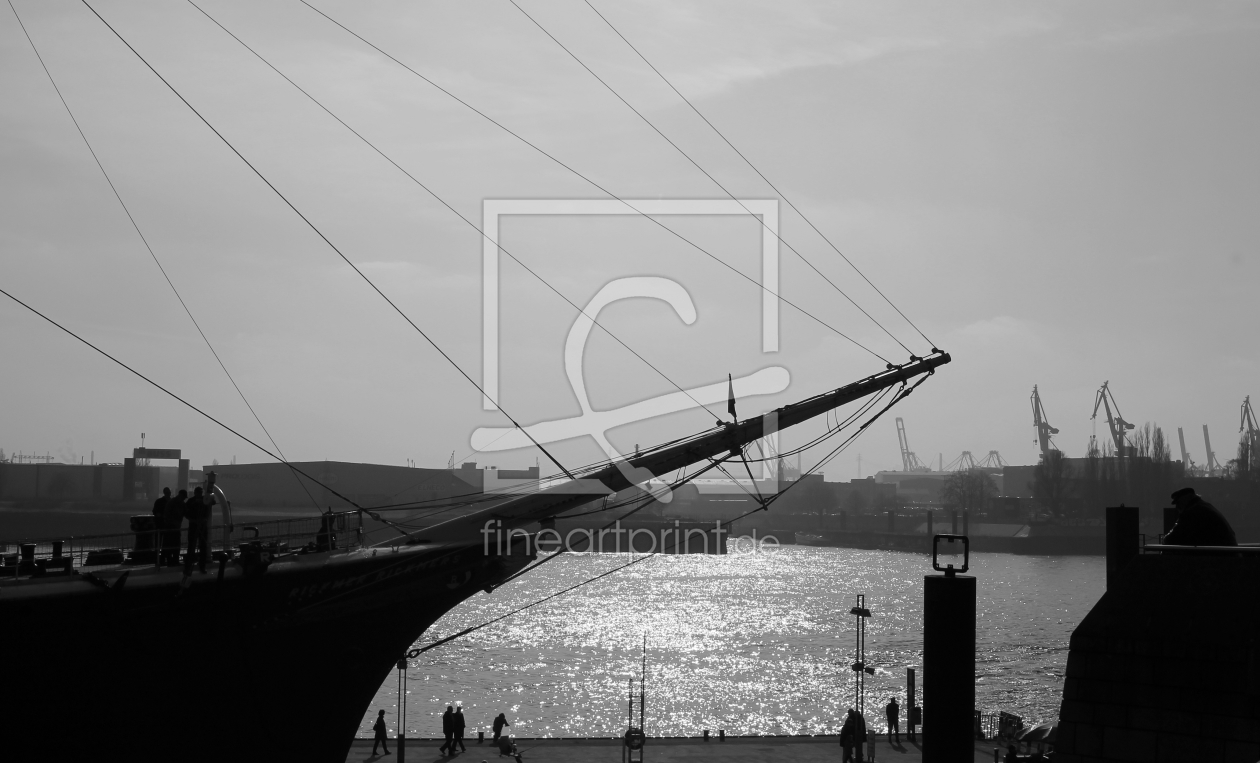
(166, 547)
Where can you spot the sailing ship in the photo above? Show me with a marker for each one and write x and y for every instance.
(276, 649)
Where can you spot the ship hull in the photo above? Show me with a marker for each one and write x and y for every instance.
(272, 665)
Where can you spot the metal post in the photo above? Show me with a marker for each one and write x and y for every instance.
(401, 712)
(1122, 540)
(949, 660)
(911, 708)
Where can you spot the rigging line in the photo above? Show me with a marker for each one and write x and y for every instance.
(326, 240)
(762, 176)
(596, 185)
(703, 171)
(156, 261)
(444, 203)
(191, 406)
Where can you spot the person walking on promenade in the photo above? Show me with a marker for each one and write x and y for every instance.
(1199, 523)
(379, 728)
(448, 727)
(894, 711)
(458, 724)
(174, 523)
(198, 513)
(499, 723)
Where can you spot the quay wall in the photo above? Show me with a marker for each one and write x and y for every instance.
(1167, 666)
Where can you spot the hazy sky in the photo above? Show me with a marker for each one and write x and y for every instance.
(1057, 194)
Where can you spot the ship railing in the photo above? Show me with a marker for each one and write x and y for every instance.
(157, 547)
(1242, 549)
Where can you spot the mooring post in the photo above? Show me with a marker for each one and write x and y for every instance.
(949, 657)
(1122, 540)
(912, 710)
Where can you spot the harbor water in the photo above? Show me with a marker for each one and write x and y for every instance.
(753, 643)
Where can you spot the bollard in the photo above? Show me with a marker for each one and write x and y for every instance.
(1122, 540)
(912, 710)
(706, 735)
(481, 737)
(949, 660)
(721, 735)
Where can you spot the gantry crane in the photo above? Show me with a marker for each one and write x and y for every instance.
(1044, 430)
(909, 461)
(1115, 422)
(964, 463)
(993, 461)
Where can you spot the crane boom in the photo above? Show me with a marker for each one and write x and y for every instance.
(1210, 461)
(1115, 422)
(1186, 463)
(1044, 430)
(909, 461)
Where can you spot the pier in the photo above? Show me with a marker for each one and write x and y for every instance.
(804, 749)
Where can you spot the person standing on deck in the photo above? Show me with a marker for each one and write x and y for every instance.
(448, 728)
(198, 513)
(379, 728)
(159, 521)
(894, 711)
(458, 724)
(174, 522)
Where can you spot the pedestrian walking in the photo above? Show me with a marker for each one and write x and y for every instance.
(499, 723)
(893, 711)
(458, 724)
(379, 728)
(448, 728)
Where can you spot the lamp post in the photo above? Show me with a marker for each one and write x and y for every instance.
(860, 668)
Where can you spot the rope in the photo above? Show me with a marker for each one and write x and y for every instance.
(145, 241)
(703, 171)
(594, 184)
(775, 188)
(326, 240)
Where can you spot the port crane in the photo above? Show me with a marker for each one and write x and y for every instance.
(1251, 433)
(909, 461)
(1044, 430)
(1186, 461)
(964, 463)
(1115, 422)
(993, 461)
(1210, 462)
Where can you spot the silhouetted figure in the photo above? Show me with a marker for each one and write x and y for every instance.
(458, 724)
(326, 538)
(848, 733)
(893, 710)
(379, 728)
(448, 731)
(159, 521)
(1199, 523)
(174, 523)
(1012, 755)
(198, 513)
(499, 723)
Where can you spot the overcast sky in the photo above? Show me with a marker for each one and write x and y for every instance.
(1057, 194)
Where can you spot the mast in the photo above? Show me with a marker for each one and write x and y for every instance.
(721, 442)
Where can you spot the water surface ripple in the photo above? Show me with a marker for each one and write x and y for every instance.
(749, 643)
